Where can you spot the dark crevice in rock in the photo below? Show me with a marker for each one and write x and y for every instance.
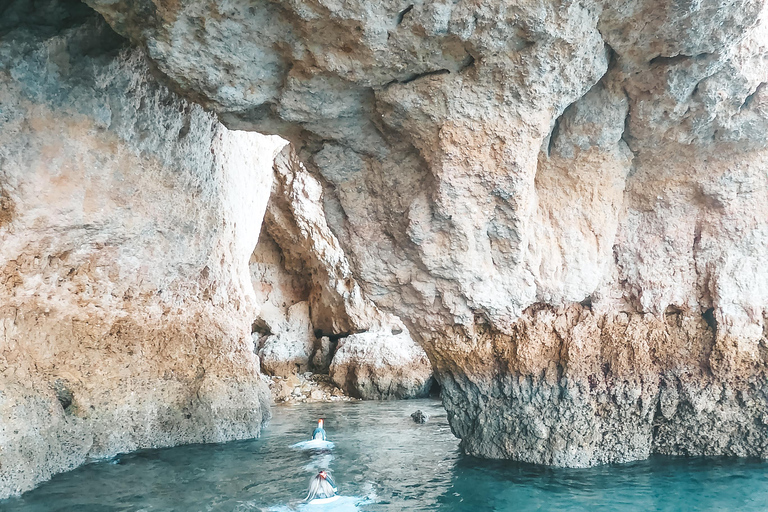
(709, 317)
(45, 17)
(748, 100)
(696, 237)
(417, 76)
(469, 62)
(658, 418)
(553, 133)
(260, 327)
(613, 57)
(625, 136)
(435, 389)
(184, 131)
(676, 59)
(335, 337)
(402, 14)
(63, 394)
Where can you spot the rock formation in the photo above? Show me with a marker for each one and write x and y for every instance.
(309, 294)
(375, 366)
(565, 202)
(127, 219)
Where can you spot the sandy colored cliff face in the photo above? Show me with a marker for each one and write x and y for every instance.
(129, 216)
(565, 202)
(308, 294)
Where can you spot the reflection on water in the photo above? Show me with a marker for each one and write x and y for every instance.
(401, 466)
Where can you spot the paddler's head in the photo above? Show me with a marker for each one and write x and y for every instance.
(320, 423)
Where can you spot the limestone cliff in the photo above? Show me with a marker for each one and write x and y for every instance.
(566, 202)
(309, 295)
(127, 219)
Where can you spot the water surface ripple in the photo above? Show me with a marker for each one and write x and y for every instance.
(403, 466)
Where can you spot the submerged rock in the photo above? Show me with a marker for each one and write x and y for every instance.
(381, 366)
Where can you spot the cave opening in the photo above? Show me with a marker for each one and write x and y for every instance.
(435, 390)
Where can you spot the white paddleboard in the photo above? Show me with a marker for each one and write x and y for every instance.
(323, 501)
(333, 504)
(314, 444)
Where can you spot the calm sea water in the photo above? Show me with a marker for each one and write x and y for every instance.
(399, 465)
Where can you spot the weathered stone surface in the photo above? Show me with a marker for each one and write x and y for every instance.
(296, 220)
(509, 176)
(306, 286)
(290, 350)
(321, 359)
(283, 331)
(599, 387)
(128, 217)
(307, 387)
(380, 366)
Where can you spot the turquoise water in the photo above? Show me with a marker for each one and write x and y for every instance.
(381, 455)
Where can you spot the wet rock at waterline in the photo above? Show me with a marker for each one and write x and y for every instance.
(127, 219)
(565, 203)
(419, 417)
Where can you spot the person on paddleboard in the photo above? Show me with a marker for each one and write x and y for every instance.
(319, 433)
(321, 487)
(319, 440)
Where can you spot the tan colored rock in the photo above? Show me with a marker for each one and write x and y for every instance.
(508, 176)
(289, 351)
(128, 219)
(305, 283)
(275, 288)
(303, 388)
(321, 360)
(378, 366)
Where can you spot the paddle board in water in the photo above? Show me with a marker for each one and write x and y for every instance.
(314, 444)
(333, 504)
(323, 501)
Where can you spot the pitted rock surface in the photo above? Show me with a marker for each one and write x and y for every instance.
(128, 217)
(381, 366)
(565, 202)
(483, 162)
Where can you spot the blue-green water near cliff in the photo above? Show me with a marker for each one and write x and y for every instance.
(399, 465)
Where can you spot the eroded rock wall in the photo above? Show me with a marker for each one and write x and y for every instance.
(565, 202)
(128, 218)
(381, 366)
(283, 334)
(310, 295)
